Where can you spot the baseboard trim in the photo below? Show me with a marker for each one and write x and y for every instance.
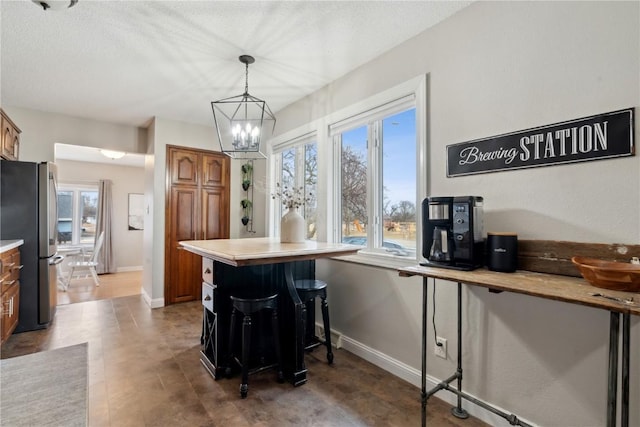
(132, 268)
(413, 376)
(383, 361)
(152, 303)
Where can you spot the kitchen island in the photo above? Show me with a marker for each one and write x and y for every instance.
(263, 266)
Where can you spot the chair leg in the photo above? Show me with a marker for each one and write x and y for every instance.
(276, 339)
(327, 329)
(246, 342)
(66, 286)
(94, 274)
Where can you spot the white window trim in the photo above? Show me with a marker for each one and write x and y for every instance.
(275, 166)
(76, 209)
(328, 155)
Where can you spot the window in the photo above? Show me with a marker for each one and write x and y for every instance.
(377, 185)
(77, 214)
(297, 166)
(365, 165)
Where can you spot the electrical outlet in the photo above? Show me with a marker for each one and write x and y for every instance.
(441, 351)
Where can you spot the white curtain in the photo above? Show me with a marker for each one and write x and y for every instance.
(105, 216)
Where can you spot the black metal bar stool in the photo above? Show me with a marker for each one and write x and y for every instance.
(308, 290)
(248, 307)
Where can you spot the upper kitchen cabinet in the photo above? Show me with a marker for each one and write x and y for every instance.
(10, 143)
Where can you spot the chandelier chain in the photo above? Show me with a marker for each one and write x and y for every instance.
(246, 79)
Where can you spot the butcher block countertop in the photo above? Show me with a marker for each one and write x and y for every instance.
(550, 286)
(265, 250)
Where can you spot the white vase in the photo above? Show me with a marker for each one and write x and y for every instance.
(292, 227)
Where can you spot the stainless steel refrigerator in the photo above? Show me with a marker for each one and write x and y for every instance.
(29, 211)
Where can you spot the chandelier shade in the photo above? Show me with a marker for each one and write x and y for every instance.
(243, 122)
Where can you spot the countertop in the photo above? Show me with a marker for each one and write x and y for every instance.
(5, 245)
(550, 286)
(265, 250)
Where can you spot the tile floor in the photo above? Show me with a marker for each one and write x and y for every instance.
(144, 370)
(111, 286)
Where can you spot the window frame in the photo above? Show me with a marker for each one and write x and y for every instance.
(76, 215)
(298, 144)
(328, 157)
(373, 120)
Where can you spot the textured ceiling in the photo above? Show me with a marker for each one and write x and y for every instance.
(128, 61)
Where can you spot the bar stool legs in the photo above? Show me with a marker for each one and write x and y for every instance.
(247, 307)
(308, 290)
(327, 327)
(246, 347)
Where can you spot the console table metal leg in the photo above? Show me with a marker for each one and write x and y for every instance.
(612, 393)
(423, 393)
(626, 330)
(457, 410)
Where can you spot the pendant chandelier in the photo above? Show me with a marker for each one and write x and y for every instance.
(243, 121)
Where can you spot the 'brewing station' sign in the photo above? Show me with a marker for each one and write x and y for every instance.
(591, 138)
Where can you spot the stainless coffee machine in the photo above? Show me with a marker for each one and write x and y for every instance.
(452, 232)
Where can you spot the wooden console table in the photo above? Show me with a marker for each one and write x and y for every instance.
(572, 290)
(267, 265)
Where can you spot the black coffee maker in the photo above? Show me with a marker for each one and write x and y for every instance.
(452, 232)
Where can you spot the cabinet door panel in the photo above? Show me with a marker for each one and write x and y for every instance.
(183, 269)
(183, 167)
(215, 214)
(214, 170)
(7, 139)
(186, 284)
(184, 207)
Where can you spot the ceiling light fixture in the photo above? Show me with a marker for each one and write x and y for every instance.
(243, 121)
(55, 4)
(113, 155)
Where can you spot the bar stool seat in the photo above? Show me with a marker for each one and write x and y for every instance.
(309, 290)
(248, 307)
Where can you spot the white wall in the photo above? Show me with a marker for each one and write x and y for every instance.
(127, 244)
(493, 68)
(42, 130)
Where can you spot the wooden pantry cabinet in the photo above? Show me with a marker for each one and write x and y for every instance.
(10, 284)
(197, 208)
(10, 143)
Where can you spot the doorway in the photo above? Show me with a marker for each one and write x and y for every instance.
(83, 167)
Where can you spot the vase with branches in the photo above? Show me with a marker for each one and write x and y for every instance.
(292, 224)
(291, 197)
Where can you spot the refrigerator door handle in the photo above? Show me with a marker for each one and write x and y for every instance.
(56, 260)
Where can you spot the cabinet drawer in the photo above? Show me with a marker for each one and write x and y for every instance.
(9, 268)
(207, 270)
(207, 296)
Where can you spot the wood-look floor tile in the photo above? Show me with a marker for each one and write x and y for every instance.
(144, 370)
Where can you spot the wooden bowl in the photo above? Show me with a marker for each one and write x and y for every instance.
(617, 276)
